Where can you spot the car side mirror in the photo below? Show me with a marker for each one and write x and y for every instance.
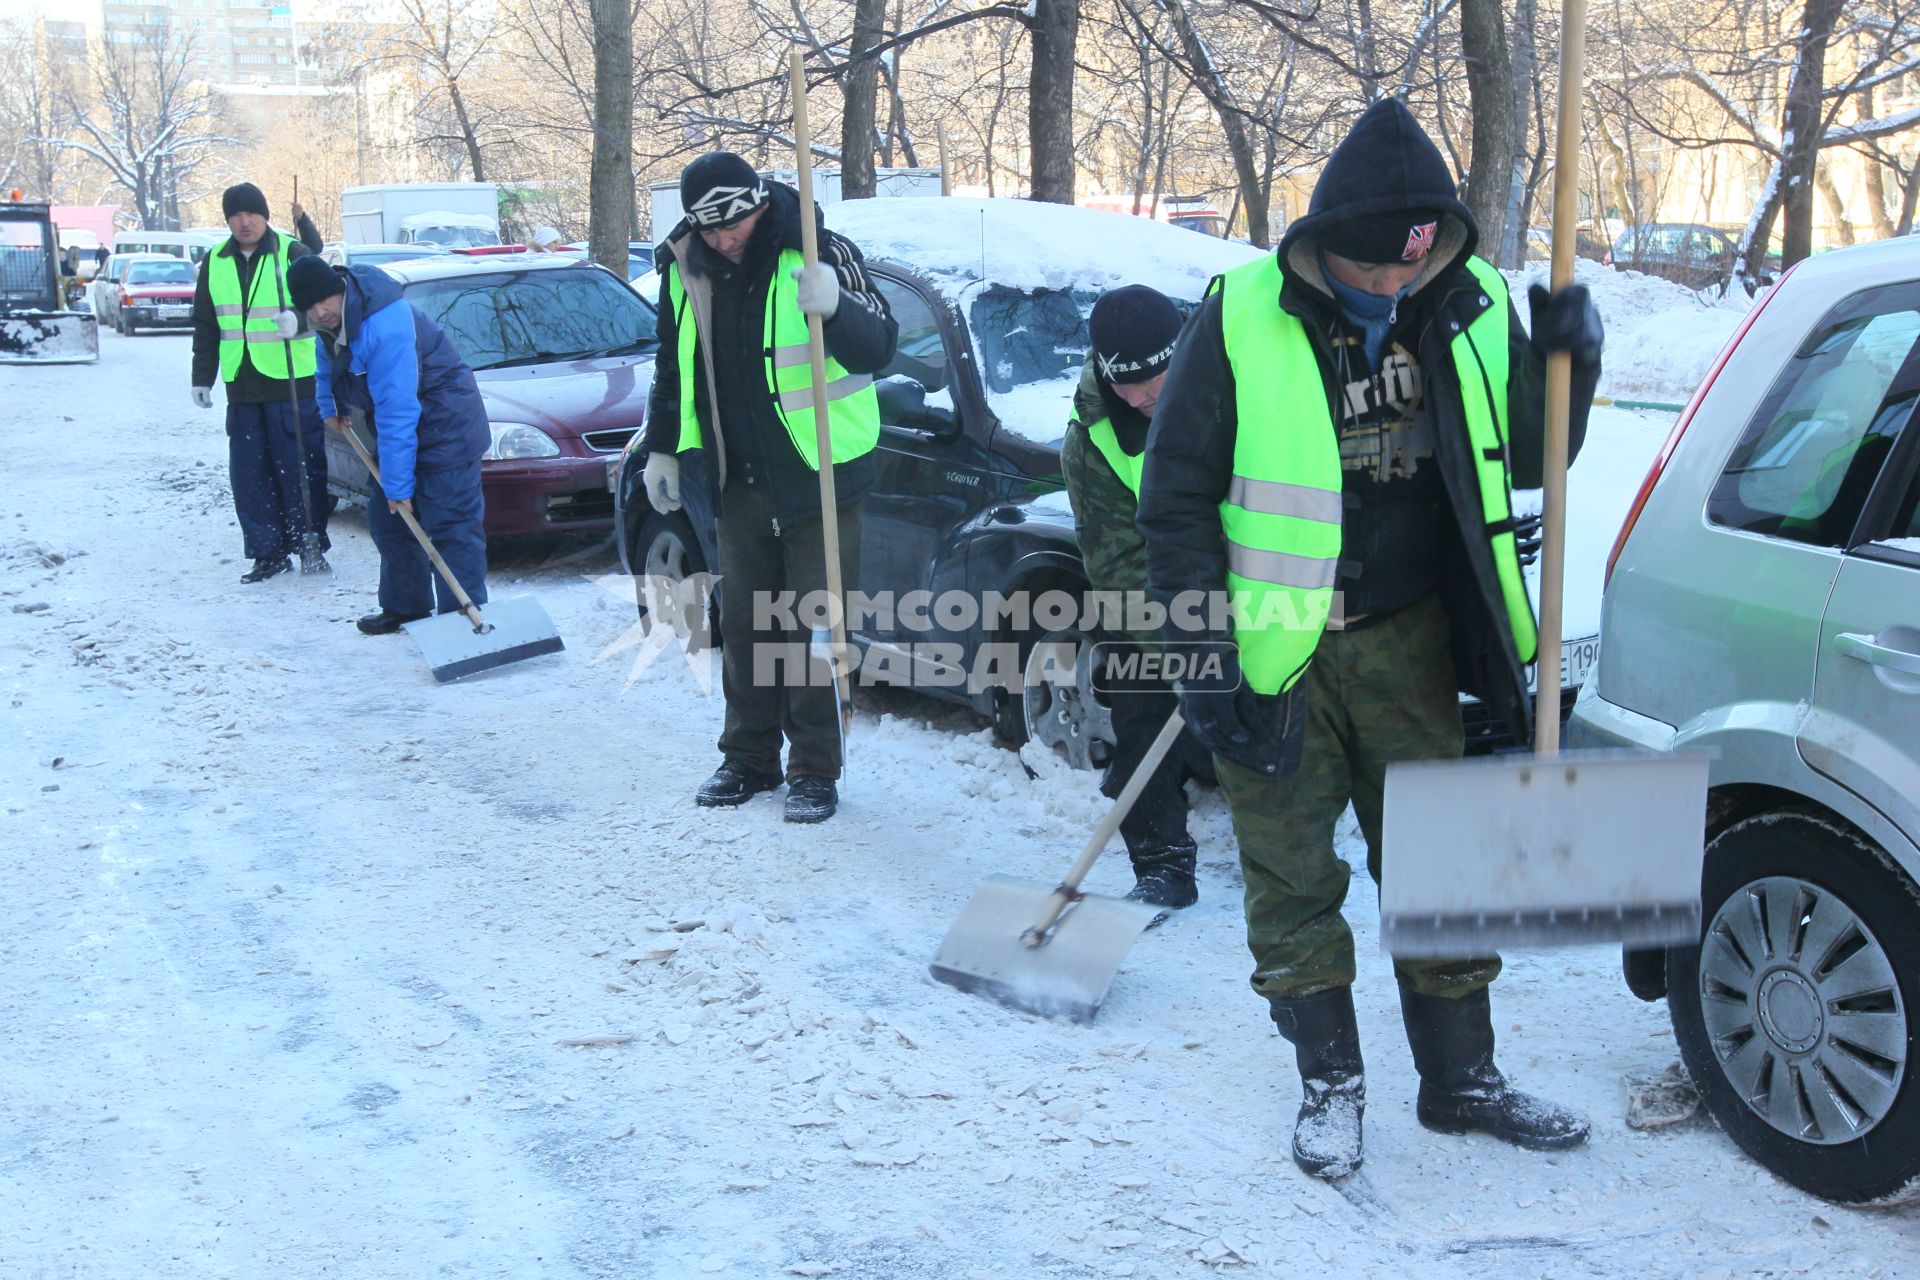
(903, 403)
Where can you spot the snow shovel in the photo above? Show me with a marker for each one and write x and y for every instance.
(465, 644)
(829, 644)
(1054, 951)
(1547, 849)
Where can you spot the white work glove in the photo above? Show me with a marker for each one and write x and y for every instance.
(287, 325)
(662, 479)
(819, 290)
(203, 396)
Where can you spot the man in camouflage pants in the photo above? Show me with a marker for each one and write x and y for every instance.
(1337, 438)
(1133, 330)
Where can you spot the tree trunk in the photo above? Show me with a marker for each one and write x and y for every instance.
(1877, 216)
(1800, 131)
(1483, 40)
(1055, 27)
(467, 135)
(1526, 70)
(857, 116)
(1254, 193)
(1829, 191)
(610, 183)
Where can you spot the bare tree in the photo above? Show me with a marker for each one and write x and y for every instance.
(1483, 39)
(610, 193)
(33, 71)
(144, 119)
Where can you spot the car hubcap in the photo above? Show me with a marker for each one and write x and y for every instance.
(1063, 712)
(664, 570)
(1803, 1009)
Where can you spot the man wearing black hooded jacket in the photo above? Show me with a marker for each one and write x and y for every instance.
(734, 378)
(1335, 447)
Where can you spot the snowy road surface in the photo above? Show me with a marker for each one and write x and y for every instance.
(294, 942)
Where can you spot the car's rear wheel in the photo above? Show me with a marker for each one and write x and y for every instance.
(1796, 1015)
(1060, 709)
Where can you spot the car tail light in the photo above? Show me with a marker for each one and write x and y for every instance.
(1679, 429)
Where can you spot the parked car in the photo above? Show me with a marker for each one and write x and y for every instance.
(377, 255)
(1688, 253)
(639, 257)
(968, 495)
(563, 353)
(101, 297)
(1763, 606)
(154, 294)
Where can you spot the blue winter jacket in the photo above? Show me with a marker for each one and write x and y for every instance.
(402, 370)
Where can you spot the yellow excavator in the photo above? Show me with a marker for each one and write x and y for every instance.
(35, 325)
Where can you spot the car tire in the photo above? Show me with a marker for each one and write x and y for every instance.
(129, 328)
(1804, 996)
(1069, 718)
(665, 548)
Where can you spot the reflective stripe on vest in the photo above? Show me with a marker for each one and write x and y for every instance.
(1125, 465)
(246, 324)
(853, 406)
(1282, 515)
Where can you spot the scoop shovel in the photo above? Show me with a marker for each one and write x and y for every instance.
(457, 645)
(1054, 951)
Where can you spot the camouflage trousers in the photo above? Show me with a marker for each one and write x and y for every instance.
(1374, 696)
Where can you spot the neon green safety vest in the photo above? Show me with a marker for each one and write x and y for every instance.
(246, 324)
(1281, 518)
(853, 407)
(1127, 466)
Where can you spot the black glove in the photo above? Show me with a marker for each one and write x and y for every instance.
(1233, 721)
(1567, 321)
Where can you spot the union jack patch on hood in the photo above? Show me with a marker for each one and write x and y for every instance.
(1420, 242)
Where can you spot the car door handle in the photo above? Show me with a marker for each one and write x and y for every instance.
(1880, 655)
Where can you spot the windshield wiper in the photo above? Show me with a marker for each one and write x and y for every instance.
(541, 357)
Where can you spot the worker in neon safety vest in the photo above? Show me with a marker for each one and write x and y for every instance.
(1335, 449)
(734, 379)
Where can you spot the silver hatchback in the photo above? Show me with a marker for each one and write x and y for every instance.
(1763, 605)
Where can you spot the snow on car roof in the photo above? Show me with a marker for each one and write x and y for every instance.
(446, 218)
(1026, 244)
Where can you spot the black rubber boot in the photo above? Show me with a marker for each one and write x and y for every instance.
(733, 784)
(811, 799)
(385, 624)
(1164, 877)
(1333, 1082)
(1461, 1091)
(267, 567)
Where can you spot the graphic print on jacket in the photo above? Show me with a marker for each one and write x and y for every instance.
(1393, 494)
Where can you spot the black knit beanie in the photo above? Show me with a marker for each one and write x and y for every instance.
(719, 189)
(309, 279)
(243, 197)
(1133, 330)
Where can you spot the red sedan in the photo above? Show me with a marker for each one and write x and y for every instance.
(563, 355)
(156, 294)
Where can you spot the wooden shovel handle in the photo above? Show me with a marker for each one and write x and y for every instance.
(1553, 525)
(817, 357)
(467, 606)
(1068, 891)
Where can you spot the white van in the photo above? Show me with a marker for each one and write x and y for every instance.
(191, 245)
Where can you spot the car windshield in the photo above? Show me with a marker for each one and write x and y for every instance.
(160, 273)
(529, 317)
(1032, 344)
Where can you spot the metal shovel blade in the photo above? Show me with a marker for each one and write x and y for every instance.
(519, 629)
(1528, 851)
(1066, 976)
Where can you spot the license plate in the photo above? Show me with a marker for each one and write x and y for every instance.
(1576, 660)
(174, 313)
(613, 473)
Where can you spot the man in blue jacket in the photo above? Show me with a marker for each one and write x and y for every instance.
(381, 357)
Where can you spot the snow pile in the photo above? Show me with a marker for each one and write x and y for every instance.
(1022, 244)
(1662, 337)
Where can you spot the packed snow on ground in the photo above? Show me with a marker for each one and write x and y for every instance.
(313, 968)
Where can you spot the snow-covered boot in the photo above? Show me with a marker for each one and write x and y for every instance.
(1164, 877)
(1461, 1091)
(1333, 1082)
